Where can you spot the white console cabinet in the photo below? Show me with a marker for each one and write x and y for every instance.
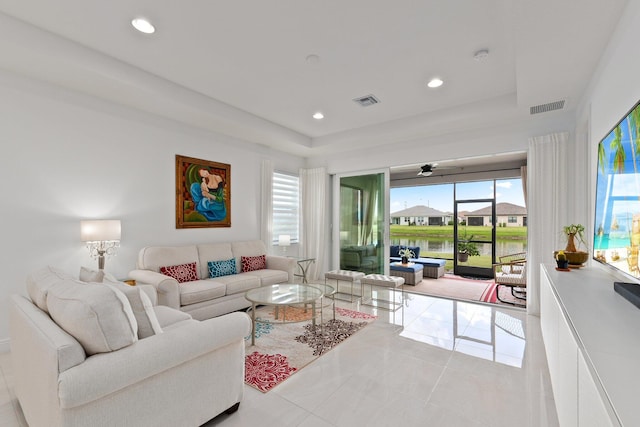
(592, 341)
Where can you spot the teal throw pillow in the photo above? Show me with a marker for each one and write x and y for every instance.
(222, 268)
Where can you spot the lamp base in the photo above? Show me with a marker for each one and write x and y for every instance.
(101, 260)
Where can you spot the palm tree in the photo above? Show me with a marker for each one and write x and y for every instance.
(619, 155)
(601, 157)
(634, 131)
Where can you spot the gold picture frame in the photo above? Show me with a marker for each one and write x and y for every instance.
(203, 193)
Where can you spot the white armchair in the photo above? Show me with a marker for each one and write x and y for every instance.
(183, 375)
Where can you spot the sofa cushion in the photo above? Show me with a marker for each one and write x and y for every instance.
(39, 283)
(141, 306)
(394, 250)
(252, 263)
(154, 257)
(248, 248)
(182, 273)
(168, 316)
(89, 275)
(99, 317)
(426, 262)
(238, 283)
(213, 252)
(222, 268)
(269, 277)
(201, 290)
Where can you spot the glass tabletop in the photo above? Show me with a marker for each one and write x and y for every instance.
(326, 289)
(284, 294)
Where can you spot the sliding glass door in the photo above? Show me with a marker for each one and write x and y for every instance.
(475, 237)
(360, 225)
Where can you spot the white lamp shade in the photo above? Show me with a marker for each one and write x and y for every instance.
(100, 230)
(284, 240)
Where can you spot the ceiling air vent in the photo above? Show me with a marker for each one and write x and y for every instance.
(544, 108)
(367, 100)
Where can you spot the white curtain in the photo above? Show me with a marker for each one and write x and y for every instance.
(313, 234)
(369, 209)
(523, 177)
(267, 204)
(546, 206)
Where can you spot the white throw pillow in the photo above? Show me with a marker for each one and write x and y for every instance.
(141, 306)
(88, 275)
(39, 282)
(99, 317)
(506, 269)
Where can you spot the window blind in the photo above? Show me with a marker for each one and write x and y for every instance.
(286, 206)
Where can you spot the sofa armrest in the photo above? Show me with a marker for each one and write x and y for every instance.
(40, 350)
(166, 287)
(106, 373)
(276, 262)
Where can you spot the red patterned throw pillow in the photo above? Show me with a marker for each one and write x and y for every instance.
(182, 273)
(251, 263)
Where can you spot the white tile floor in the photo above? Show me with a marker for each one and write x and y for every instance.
(453, 364)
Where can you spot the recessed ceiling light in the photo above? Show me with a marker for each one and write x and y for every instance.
(481, 55)
(435, 82)
(318, 116)
(312, 59)
(143, 25)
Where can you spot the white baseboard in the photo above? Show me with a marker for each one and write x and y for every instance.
(4, 346)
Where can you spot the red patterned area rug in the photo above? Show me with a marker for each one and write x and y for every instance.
(491, 295)
(282, 349)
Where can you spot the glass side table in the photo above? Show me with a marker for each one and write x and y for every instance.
(304, 264)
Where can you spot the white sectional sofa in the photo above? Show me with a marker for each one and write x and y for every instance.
(81, 357)
(207, 297)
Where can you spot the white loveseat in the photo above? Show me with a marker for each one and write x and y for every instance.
(183, 374)
(207, 297)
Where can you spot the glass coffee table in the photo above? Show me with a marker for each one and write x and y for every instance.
(282, 296)
(327, 292)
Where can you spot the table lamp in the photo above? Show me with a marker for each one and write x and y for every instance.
(284, 240)
(102, 237)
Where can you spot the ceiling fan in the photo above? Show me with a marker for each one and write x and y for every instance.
(427, 169)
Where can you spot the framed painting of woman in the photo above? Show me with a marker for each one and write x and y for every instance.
(203, 193)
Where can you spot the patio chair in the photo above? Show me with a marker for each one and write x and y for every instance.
(517, 257)
(512, 274)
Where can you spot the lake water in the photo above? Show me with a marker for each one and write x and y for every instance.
(503, 247)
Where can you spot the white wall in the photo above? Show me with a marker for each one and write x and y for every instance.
(613, 90)
(67, 157)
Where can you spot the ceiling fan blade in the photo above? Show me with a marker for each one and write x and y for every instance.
(426, 170)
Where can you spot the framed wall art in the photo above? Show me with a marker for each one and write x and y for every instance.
(203, 193)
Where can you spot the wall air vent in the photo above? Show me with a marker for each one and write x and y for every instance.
(367, 100)
(544, 108)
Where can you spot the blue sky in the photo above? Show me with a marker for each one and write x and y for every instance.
(441, 196)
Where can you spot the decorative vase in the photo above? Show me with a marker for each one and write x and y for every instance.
(562, 264)
(571, 244)
(405, 260)
(463, 256)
